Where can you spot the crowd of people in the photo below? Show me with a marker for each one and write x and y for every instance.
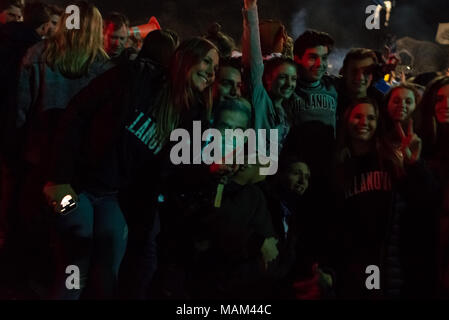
(87, 177)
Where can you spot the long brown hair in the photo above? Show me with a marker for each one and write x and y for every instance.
(389, 139)
(403, 85)
(429, 128)
(387, 156)
(73, 51)
(178, 94)
(344, 144)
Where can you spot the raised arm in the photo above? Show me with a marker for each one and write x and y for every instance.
(264, 111)
(251, 49)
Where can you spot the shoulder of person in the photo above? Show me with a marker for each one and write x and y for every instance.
(255, 191)
(145, 69)
(34, 54)
(375, 94)
(331, 80)
(100, 65)
(146, 65)
(338, 81)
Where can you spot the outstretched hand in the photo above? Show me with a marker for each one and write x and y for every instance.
(411, 144)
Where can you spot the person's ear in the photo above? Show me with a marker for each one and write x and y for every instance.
(297, 59)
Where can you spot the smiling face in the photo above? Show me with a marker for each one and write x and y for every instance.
(362, 122)
(313, 63)
(401, 104)
(282, 82)
(442, 105)
(358, 77)
(228, 84)
(202, 74)
(297, 178)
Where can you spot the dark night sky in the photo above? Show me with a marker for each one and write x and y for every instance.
(343, 19)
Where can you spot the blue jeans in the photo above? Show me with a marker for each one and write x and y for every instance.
(93, 237)
(149, 257)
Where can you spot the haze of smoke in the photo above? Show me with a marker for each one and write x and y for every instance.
(298, 24)
(408, 20)
(335, 61)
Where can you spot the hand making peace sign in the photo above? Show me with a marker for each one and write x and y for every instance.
(411, 144)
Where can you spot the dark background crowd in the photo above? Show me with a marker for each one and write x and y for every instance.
(332, 16)
(89, 180)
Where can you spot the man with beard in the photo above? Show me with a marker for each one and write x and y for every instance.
(228, 84)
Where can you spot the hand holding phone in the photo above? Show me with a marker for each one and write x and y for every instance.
(61, 197)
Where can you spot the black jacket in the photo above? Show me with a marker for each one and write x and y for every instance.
(15, 39)
(92, 138)
(390, 223)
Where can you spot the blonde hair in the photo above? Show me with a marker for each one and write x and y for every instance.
(73, 51)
